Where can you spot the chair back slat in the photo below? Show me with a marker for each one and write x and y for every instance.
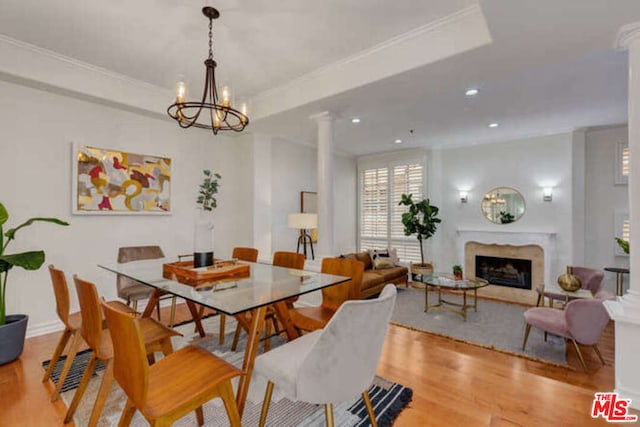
(61, 292)
(590, 278)
(130, 366)
(92, 328)
(348, 347)
(288, 260)
(245, 254)
(586, 320)
(135, 253)
(334, 296)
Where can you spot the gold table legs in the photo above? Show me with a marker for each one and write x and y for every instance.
(445, 305)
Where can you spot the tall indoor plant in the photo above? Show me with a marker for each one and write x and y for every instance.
(13, 327)
(421, 219)
(206, 203)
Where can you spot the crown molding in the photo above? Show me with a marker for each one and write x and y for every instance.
(627, 34)
(455, 33)
(34, 66)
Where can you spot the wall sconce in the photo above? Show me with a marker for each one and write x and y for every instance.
(463, 197)
(547, 194)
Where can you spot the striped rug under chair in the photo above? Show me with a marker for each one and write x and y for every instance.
(388, 398)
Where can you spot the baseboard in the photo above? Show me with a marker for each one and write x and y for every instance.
(634, 395)
(44, 328)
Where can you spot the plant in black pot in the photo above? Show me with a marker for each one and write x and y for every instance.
(422, 220)
(203, 237)
(13, 327)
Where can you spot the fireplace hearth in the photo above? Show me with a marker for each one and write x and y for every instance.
(510, 272)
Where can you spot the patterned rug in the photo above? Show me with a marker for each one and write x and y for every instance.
(388, 398)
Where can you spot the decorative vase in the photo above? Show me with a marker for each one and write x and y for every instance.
(203, 239)
(568, 281)
(457, 274)
(12, 336)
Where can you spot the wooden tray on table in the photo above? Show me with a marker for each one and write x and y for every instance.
(221, 271)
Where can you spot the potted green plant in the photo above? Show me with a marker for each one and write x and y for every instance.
(624, 244)
(206, 203)
(13, 327)
(457, 272)
(506, 217)
(422, 220)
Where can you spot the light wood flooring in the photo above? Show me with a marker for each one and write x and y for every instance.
(454, 383)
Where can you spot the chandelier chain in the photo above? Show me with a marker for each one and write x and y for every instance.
(210, 38)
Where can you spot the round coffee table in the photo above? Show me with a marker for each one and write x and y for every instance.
(442, 281)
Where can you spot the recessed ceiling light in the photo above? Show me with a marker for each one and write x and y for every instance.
(398, 141)
(471, 92)
(355, 120)
(493, 125)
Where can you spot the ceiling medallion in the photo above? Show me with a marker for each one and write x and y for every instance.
(218, 113)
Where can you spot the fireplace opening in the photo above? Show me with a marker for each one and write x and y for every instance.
(510, 272)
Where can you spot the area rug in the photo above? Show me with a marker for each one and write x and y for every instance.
(75, 372)
(388, 398)
(495, 325)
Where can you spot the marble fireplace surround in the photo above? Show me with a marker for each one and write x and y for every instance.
(545, 240)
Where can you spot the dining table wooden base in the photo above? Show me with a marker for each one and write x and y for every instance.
(155, 298)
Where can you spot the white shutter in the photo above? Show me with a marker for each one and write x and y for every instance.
(381, 190)
(407, 179)
(374, 204)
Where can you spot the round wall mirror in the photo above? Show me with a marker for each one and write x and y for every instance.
(503, 205)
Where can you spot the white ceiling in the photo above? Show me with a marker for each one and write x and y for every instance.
(551, 66)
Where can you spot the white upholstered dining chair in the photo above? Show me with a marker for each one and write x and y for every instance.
(333, 364)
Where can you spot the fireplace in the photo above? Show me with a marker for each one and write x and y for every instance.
(510, 272)
(538, 247)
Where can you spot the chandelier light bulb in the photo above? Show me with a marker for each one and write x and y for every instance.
(226, 96)
(181, 91)
(244, 109)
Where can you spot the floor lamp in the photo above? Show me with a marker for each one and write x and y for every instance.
(304, 222)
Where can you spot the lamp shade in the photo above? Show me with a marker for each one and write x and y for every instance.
(303, 221)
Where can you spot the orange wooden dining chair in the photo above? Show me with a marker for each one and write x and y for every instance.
(313, 318)
(245, 254)
(242, 254)
(280, 259)
(72, 324)
(174, 386)
(156, 336)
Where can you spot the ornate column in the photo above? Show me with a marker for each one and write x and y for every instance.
(626, 310)
(325, 184)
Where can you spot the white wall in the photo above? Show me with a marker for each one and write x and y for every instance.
(294, 169)
(36, 132)
(526, 165)
(603, 198)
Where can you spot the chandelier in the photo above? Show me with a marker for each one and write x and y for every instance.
(218, 113)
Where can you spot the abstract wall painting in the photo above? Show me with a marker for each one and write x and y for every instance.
(107, 181)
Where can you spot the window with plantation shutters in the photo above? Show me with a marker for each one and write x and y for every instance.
(374, 208)
(622, 163)
(380, 213)
(622, 229)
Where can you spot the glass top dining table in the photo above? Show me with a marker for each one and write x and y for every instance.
(246, 298)
(265, 285)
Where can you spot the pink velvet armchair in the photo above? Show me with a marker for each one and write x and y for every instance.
(590, 278)
(582, 321)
